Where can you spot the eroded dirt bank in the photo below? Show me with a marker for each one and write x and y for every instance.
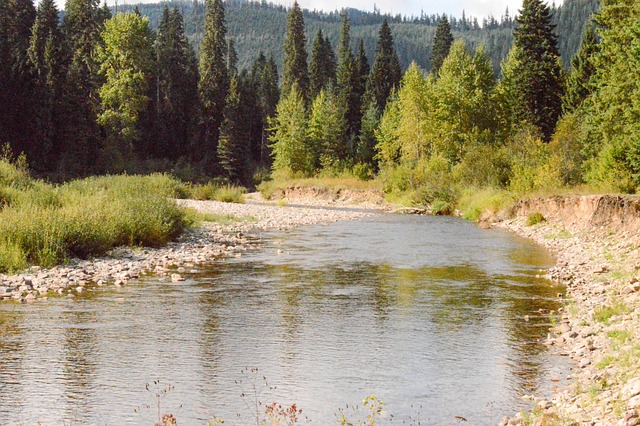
(596, 241)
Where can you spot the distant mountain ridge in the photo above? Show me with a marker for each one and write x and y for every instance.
(260, 26)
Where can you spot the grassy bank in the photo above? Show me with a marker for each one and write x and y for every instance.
(45, 225)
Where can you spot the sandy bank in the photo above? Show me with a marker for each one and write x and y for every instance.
(596, 242)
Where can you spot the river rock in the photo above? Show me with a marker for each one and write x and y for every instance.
(176, 278)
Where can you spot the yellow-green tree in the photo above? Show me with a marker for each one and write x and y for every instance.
(126, 60)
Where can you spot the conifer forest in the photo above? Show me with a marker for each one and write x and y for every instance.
(544, 96)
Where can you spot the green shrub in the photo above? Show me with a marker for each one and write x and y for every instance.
(474, 202)
(46, 225)
(535, 218)
(12, 258)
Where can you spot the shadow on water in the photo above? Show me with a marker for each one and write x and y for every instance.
(426, 313)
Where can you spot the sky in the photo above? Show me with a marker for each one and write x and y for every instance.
(477, 8)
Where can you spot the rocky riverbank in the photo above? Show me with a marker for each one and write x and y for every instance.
(597, 245)
(199, 246)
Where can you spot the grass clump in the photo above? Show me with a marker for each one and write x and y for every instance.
(476, 202)
(535, 218)
(46, 225)
(216, 192)
(605, 313)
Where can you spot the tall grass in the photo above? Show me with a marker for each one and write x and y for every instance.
(46, 225)
(215, 191)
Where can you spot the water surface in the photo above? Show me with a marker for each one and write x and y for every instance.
(425, 313)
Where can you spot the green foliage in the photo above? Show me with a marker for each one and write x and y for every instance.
(535, 218)
(610, 115)
(125, 59)
(232, 147)
(385, 72)
(326, 132)
(214, 78)
(216, 192)
(176, 92)
(292, 151)
(474, 202)
(605, 313)
(578, 84)
(46, 225)
(295, 71)
(538, 76)
(441, 44)
(322, 69)
(533, 167)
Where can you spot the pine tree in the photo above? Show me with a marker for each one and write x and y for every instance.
(325, 132)
(295, 71)
(291, 150)
(268, 97)
(214, 77)
(578, 85)
(232, 58)
(176, 96)
(362, 65)
(540, 76)
(17, 95)
(81, 29)
(322, 68)
(365, 151)
(385, 72)
(45, 59)
(232, 149)
(441, 44)
(348, 80)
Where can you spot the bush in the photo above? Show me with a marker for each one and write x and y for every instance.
(217, 192)
(535, 218)
(474, 202)
(46, 225)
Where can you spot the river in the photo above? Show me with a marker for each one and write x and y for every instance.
(440, 320)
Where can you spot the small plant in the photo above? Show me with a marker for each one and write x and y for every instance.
(605, 313)
(277, 414)
(159, 393)
(535, 218)
(371, 403)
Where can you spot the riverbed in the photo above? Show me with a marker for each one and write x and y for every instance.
(438, 319)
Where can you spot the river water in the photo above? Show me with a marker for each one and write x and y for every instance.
(425, 313)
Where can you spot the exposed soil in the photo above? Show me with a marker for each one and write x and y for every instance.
(596, 242)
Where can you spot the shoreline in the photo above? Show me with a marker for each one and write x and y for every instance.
(596, 244)
(598, 259)
(201, 245)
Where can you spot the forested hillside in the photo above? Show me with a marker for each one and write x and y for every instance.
(106, 91)
(256, 27)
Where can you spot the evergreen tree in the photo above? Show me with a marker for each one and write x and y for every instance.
(578, 85)
(232, 58)
(295, 71)
(365, 151)
(291, 150)
(362, 65)
(539, 76)
(348, 79)
(325, 132)
(385, 72)
(268, 97)
(46, 62)
(17, 95)
(441, 44)
(214, 77)
(176, 88)
(232, 149)
(322, 68)
(81, 29)
(126, 61)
